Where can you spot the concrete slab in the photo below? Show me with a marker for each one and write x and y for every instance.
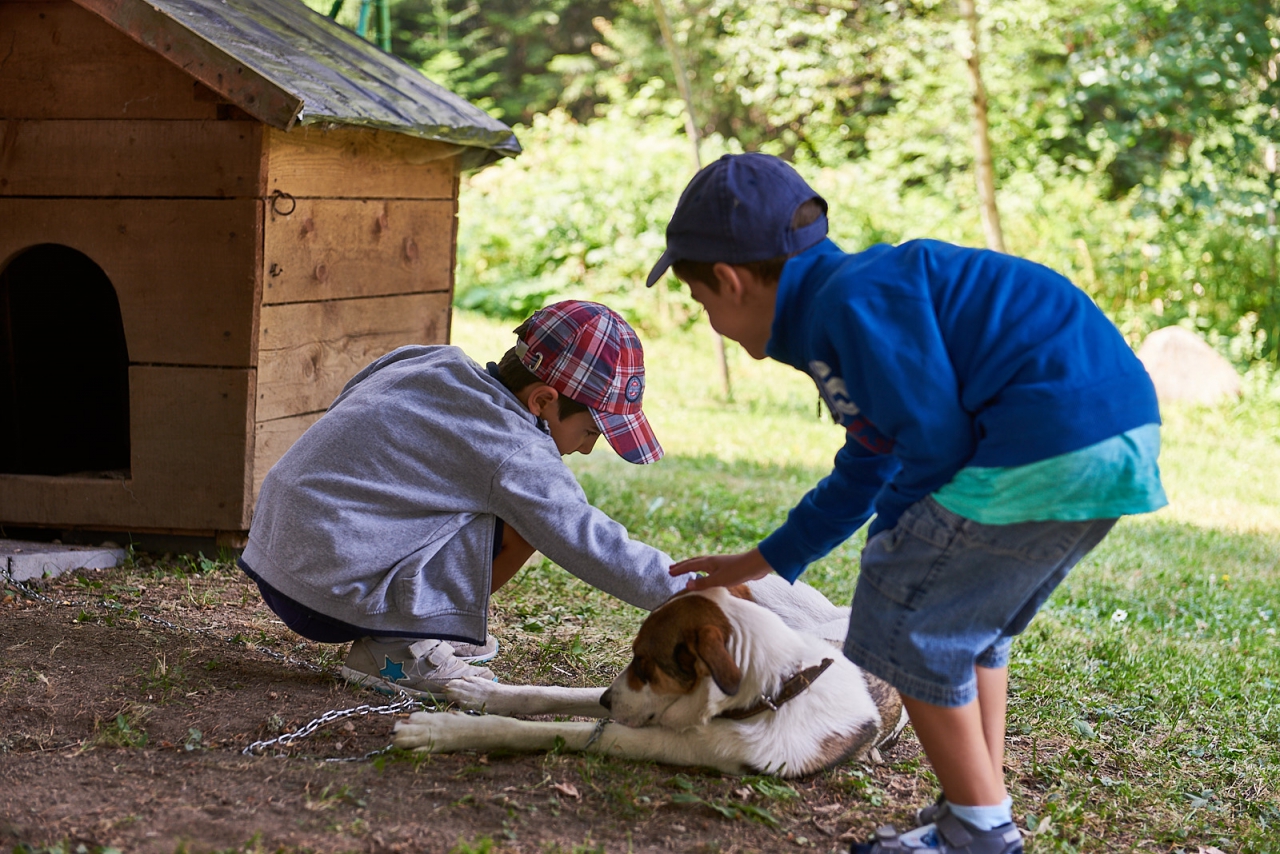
(28, 561)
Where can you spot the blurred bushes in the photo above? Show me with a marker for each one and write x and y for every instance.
(582, 214)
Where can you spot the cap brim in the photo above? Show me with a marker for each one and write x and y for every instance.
(661, 267)
(630, 436)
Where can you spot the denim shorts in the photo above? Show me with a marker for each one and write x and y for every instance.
(939, 594)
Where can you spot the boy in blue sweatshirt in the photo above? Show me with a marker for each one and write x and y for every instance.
(997, 425)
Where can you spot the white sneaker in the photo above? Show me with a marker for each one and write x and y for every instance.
(420, 668)
(476, 653)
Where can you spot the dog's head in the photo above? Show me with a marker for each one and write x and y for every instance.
(682, 666)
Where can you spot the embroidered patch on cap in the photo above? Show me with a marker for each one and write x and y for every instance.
(634, 389)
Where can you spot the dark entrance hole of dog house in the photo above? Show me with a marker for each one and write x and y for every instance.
(64, 367)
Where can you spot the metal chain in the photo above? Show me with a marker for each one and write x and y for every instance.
(21, 586)
(336, 715)
(284, 740)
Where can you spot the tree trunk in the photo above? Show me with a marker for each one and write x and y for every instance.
(691, 130)
(1269, 161)
(981, 138)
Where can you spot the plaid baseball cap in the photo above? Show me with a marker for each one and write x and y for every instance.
(588, 353)
(738, 210)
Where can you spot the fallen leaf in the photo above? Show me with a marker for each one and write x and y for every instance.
(568, 790)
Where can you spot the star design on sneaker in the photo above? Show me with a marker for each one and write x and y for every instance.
(392, 670)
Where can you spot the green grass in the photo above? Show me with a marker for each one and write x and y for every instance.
(1145, 698)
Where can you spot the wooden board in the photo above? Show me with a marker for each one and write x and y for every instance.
(190, 439)
(272, 439)
(61, 61)
(186, 272)
(338, 248)
(222, 72)
(358, 163)
(308, 351)
(146, 157)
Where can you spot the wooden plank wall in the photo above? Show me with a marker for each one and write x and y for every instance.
(257, 270)
(64, 62)
(185, 271)
(111, 150)
(358, 259)
(191, 435)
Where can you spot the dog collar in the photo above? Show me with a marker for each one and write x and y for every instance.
(790, 689)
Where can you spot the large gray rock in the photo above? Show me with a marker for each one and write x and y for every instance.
(1184, 367)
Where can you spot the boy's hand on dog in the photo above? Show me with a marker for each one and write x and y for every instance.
(723, 570)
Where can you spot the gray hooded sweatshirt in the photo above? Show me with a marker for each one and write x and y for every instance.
(382, 514)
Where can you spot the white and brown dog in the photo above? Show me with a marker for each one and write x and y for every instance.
(744, 680)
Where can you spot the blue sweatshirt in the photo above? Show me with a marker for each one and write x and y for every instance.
(936, 357)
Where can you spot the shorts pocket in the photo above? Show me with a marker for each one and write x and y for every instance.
(900, 565)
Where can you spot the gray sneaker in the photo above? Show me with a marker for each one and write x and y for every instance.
(419, 668)
(931, 813)
(949, 835)
(476, 653)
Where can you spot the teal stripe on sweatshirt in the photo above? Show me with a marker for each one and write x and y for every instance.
(1115, 477)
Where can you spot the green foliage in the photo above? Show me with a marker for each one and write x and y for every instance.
(507, 56)
(479, 845)
(1133, 140)
(124, 730)
(726, 808)
(1130, 141)
(581, 214)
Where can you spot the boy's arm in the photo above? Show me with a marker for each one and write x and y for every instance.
(534, 492)
(831, 512)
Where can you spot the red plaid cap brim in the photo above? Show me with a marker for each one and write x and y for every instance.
(629, 435)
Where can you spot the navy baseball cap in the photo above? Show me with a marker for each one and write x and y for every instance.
(739, 210)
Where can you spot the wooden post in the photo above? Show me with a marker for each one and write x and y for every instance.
(691, 130)
(981, 137)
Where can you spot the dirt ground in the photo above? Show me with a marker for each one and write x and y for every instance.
(119, 731)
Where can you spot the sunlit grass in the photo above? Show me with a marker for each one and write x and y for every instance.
(1145, 701)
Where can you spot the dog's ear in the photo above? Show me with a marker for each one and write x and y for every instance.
(711, 646)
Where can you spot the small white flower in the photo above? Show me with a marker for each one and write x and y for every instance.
(1119, 616)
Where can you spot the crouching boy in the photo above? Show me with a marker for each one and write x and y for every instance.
(430, 481)
(997, 425)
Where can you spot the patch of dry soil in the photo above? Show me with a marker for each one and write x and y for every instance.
(119, 731)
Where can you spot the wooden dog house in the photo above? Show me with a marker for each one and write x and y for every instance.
(212, 214)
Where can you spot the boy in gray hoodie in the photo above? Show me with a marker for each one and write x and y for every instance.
(430, 481)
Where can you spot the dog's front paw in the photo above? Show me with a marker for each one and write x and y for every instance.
(434, 732)
(477, 694)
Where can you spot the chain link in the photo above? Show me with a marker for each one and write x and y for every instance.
(336, 715)
(21, 587)
(254, 749)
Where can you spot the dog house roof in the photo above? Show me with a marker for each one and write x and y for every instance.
(285, 64)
